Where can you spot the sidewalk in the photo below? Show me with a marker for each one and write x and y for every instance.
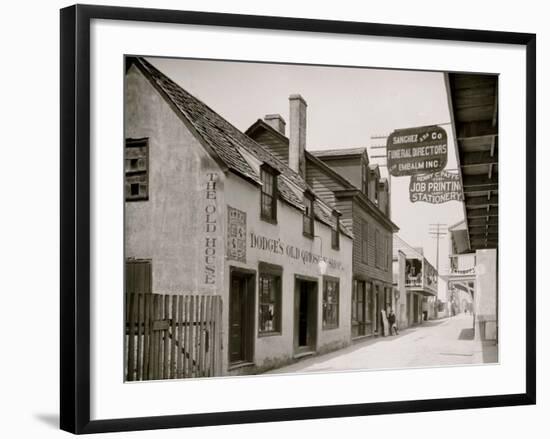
(442, 342)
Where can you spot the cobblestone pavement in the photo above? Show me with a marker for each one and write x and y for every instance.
(442, 342)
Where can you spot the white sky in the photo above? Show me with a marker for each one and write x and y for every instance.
(346, 106)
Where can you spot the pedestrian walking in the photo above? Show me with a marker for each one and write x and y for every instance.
(392, 322)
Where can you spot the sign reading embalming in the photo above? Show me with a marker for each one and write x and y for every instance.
(436, 188)
(236, 234)
(417, 151)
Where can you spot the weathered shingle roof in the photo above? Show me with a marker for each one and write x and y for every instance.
(326, 153)
(223, 141)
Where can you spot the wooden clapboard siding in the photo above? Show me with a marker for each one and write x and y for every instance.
(172, 336)
(322, 184)
(369, 270)
(348, 168)
(277, 146)
(345, 207)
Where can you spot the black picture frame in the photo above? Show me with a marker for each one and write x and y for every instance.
(75, 217)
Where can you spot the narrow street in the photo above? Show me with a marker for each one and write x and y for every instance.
(435, 343)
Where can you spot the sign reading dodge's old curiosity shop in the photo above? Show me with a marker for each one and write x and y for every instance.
(436, 188)
(417, 151)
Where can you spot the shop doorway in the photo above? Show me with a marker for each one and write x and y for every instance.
(241, 315)
(416, 310)
(362, 309)
(378, 303)
(305, 316)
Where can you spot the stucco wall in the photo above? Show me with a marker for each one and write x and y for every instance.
(170, 227)
(276, 350)
(185, 218)
(485, 296)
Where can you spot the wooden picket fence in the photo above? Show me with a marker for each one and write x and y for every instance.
(172, 336)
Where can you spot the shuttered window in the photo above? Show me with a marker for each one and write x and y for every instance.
(136, 169)
(138, 276)
(365, 242)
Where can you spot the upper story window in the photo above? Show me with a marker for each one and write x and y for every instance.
(381, 248)
(335, 241)
(268, 197)
(364, 177)
(376, 191)
(389, 253)
(309, 218)
(364, 242)
(136, 169)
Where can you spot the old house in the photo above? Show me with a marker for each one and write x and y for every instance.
(210, 211)
(346, 181)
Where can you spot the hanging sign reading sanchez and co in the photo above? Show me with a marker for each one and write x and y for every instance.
(436, 188)
(419, 150)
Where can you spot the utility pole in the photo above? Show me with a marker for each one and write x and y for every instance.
(437, 230)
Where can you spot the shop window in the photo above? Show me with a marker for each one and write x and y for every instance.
(331, 293)
(309, 218)
(364, 242)
(269, 196)
(269, 319)
(335, 239)
(136, 169)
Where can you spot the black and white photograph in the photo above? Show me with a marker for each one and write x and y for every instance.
(275, 220)
(297, 219)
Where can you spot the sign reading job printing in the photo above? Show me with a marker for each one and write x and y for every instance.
(417, 151)
(436, 188)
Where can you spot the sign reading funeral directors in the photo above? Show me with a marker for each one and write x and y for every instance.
(419, 150)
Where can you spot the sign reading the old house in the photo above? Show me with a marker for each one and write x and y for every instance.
(420, 150)
(211, 227)
(236, 234)
(436, 188)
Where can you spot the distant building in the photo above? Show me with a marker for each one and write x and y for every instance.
(209, 211)
(346, 181)
(417, 283)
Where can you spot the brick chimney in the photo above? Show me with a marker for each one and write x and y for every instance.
(297, 135)
(276, 122)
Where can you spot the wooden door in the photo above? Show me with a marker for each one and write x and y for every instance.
(241, 317)
(359, 316)
(305, 317)
(236, 319)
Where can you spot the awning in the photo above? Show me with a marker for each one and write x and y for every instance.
(473, 100)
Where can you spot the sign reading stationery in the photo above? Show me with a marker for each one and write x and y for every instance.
(236, 234)
(419, 150)
(436, 188)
